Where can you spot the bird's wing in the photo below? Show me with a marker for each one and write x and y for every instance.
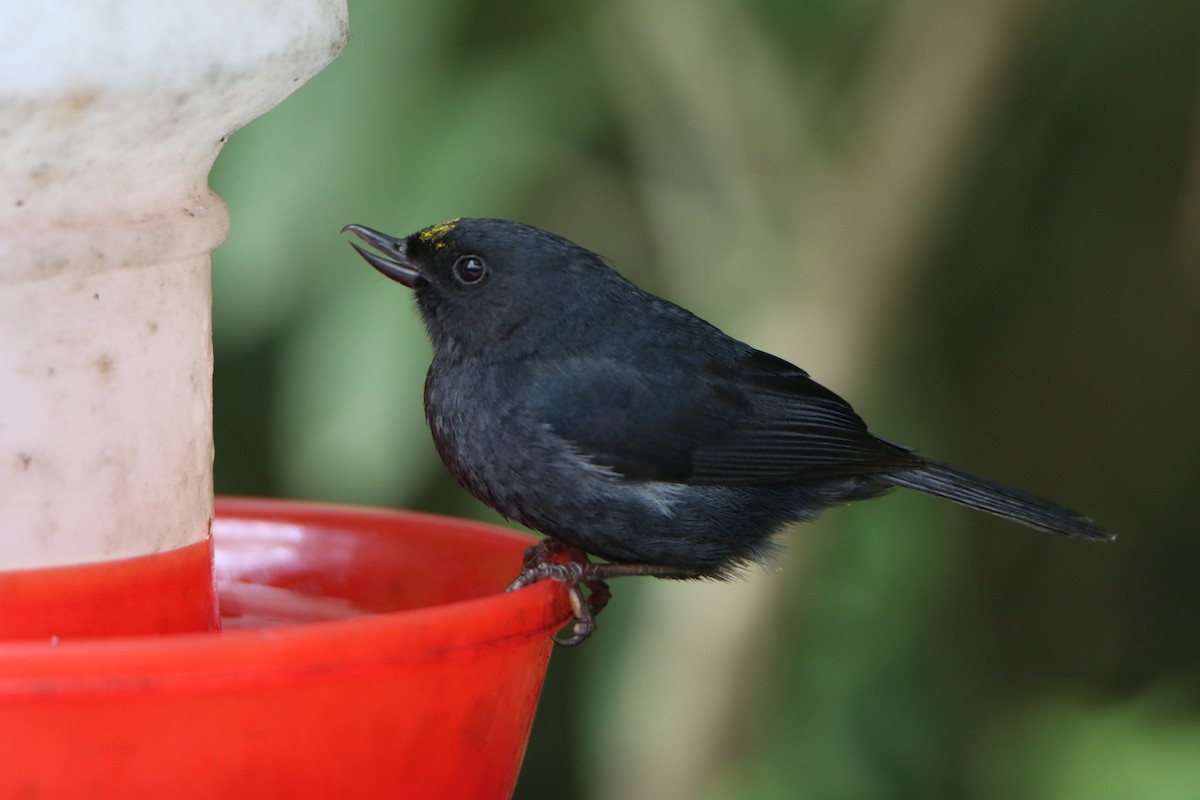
(751, 420)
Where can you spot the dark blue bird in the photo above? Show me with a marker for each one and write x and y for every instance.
(623, 426)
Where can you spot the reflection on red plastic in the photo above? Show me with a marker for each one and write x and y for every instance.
(169, 592)
(366, 654)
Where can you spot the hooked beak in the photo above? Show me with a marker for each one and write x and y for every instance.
(392, 260)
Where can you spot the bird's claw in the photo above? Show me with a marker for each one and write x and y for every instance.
(573, 568)
(543, 560)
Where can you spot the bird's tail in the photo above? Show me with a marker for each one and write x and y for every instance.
(942, 480)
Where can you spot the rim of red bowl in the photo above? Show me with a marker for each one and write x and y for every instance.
(243, 654)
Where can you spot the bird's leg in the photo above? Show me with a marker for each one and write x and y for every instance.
(557, 560)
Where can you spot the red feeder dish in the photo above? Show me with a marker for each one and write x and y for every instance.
(363, 654)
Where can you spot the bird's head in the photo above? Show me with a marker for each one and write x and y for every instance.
(483, 282)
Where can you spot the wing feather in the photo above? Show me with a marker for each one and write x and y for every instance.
(753, 420)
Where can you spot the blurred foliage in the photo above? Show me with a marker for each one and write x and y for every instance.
(980, 221)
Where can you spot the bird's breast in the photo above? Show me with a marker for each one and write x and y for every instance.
(483, 433)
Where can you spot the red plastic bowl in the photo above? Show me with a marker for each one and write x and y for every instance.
(365, 654)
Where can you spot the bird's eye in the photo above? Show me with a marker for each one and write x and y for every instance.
(470, 269)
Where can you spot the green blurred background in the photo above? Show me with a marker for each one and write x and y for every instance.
(979, 221)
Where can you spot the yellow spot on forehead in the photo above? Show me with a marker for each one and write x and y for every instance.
(434, 233)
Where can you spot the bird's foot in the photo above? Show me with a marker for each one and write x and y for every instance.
(574, 568)
(570, 566)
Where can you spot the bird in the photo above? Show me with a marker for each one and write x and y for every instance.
(625, 428)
